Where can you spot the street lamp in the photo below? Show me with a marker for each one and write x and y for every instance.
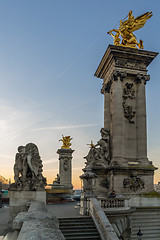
(139, 234)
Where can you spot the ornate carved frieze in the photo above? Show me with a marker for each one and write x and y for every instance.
(142, 78)
(128, 93)
(130, 64)
(133, 183)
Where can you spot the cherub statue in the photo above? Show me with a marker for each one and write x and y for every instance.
(126, 29)
(66, 141)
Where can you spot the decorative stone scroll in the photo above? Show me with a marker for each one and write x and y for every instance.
(28, 169)
(133, 183)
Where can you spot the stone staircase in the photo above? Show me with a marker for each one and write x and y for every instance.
(78, 228)
(148, 220)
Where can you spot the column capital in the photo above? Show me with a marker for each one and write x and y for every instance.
(116, 74)
(106, 87)
(142, 78)
(119, 75)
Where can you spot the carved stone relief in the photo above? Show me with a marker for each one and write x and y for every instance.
(129, 93)
(130, 64)
(133, 183)
(65, 164)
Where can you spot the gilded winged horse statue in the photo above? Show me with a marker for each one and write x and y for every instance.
(126, 29)
(66, 141)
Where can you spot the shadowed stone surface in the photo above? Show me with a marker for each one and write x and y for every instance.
(37, 224)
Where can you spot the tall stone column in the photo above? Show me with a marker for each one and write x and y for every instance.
(141, 116)
(65, 167)
(124, 74)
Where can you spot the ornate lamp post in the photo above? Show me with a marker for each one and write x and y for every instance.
(139, 235)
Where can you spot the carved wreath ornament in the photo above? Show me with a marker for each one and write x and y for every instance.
(133, 183)
(128, 93)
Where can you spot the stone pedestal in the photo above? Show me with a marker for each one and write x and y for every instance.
(19, 200)
(124, 74)
(65, 168)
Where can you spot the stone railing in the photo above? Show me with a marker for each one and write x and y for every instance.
(101, 221)
(36, 224)
(112, 202)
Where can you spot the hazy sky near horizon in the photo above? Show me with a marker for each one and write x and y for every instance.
(49, 52)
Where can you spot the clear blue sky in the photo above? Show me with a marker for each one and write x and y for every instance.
(49, 52)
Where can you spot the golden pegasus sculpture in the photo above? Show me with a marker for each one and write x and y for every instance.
(126, 29)
(66, 141)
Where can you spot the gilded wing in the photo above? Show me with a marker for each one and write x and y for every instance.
(140, 21)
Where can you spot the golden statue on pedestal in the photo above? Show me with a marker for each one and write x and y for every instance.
(126, 29)
(66, 142)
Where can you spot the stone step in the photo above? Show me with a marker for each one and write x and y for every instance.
(148, 237)
(145, 223)
(146, 216)
(146, 232)
(75, 230)
(81, 234)
(75, 224)
(146, 220)
(83, 238)
(146, 228)
(149, 223)
(75, 220)
(78, 228)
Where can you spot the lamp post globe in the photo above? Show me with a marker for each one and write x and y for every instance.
(139, 235)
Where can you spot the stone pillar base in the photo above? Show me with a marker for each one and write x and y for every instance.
(19, 200)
